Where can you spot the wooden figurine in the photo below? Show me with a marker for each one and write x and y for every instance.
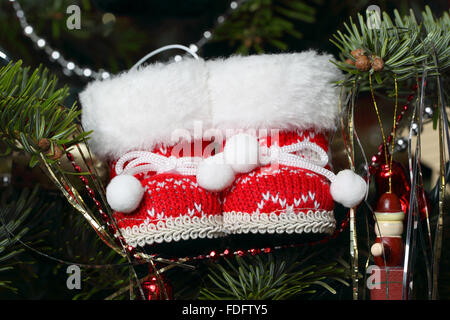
(389, 230)
(388, 249)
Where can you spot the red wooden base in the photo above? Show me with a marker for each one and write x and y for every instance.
(387, 284)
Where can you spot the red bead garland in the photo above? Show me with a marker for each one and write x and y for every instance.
(111, 228)
(213, 255)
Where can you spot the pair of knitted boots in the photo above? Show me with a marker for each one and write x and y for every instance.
(204, 149)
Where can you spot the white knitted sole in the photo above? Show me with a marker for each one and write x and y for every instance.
(174, 229)
(319, 221)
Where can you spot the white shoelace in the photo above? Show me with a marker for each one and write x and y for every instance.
(286, 156)
(144, 161)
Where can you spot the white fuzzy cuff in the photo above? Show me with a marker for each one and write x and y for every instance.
(277, 91)
(138, 109)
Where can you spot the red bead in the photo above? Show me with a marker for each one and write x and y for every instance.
(84, 180)
(405, 107)
(77, 168)
(153, 290)
(226, 253)
(104, 216)
(69, 156)
(90, 191)
(389, 139)
(410, 97)
(255, 251)
(240, 253)
(111, 229)
(267, 250)
(213, 255)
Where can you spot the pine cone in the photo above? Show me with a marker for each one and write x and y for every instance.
(56, 154)
(377, 63)
(350, 61)
(44, 144)
(363, 63)
(357, 53)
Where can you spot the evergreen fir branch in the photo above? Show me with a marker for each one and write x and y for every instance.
(31, 109)
(14, 210)
(261, 24)
(404, 44)
(262, 278)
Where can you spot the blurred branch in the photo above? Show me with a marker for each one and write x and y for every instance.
(260, 278)
(259, 24)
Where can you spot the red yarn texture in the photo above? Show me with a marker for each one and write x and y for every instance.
(268, 190)
(170, 196)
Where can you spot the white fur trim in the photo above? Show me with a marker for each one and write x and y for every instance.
(278, 91)
(140, 108)
(155, 104)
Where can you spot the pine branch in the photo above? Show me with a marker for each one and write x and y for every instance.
(404, 44)
(260, 24)
(31, 111)
(260, 278)
(13, 212)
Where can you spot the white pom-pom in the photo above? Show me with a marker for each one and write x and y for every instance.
(214, 175)
(124, 193)
(242, 152)
(348, 188)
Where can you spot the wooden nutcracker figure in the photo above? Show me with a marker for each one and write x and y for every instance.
(388, 249)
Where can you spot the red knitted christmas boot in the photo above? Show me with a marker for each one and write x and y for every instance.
(137, 119)
(277, 111)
